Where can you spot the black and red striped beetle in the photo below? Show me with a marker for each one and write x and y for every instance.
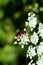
(20, 33)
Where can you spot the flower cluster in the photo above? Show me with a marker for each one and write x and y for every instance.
(22, 39)
(34, 38)
(40, 60)
(35, 47)
(31, 52)
(35, 50)
(40, 30)
(32, 21)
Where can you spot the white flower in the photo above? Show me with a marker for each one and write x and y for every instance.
(26, 23)
(31, 52)
(40, 49)
(24, 29)
(22, 46)
(29, 14)
(34, 38)
(15, 42)
(40, 61)
(30, 63)
(33, 63)
(40, 30)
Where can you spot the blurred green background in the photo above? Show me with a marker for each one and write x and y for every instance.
(13, 14)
